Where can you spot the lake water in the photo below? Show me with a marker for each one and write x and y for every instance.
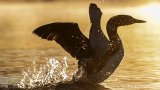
(139, 69)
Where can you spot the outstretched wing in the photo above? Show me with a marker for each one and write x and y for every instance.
(98, 41)
(69, 36)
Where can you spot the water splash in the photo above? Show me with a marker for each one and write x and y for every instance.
(52, 72)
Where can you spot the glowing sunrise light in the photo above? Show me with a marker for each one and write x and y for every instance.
(152, 12)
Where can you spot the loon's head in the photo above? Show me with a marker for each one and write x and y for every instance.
(122, 20)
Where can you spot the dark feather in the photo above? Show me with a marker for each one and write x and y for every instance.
(69, 36)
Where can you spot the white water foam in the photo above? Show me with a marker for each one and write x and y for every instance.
(52, 72)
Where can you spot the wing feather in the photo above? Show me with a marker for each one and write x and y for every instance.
(98, 41)
(69, 36)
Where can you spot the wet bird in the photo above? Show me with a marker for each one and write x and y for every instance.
(97, 55)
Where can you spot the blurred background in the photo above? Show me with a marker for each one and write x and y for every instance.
(19, 18)
(18, 46)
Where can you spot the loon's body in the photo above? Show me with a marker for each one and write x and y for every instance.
(98, 56)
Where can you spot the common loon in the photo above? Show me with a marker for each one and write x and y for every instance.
(96, 55)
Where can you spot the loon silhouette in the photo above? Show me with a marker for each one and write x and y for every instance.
(98, 56)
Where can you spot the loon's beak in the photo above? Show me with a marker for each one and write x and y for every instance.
(139, 21)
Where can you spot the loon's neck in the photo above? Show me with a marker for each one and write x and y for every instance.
(114, 38)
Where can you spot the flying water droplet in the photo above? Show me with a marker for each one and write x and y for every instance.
(52, 72)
